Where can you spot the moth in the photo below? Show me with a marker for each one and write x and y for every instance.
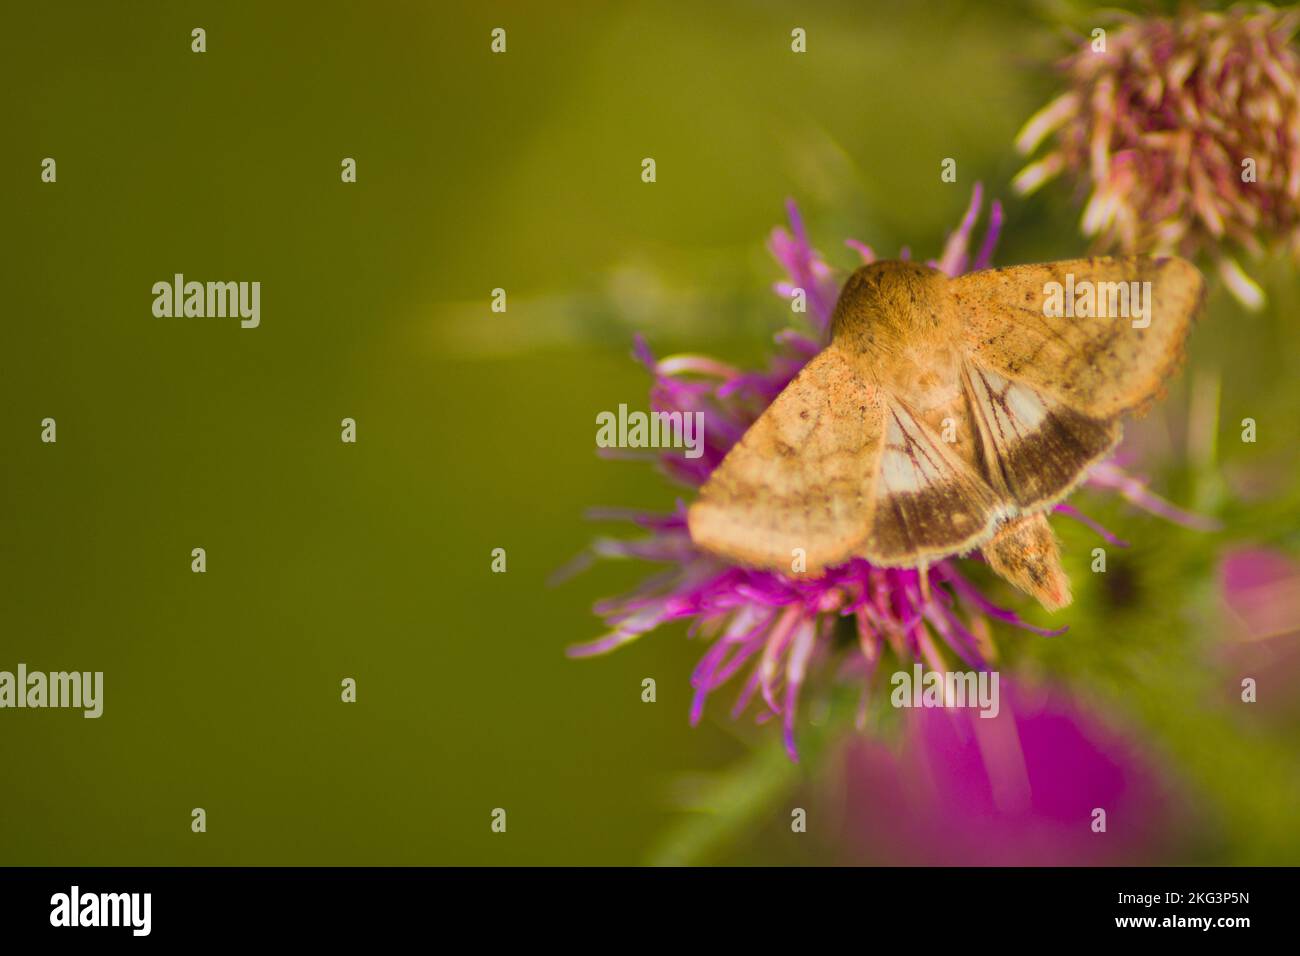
(947, 415)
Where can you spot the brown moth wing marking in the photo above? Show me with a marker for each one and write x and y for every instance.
(1036, 448)
(1100, 367)
(929, 502)
(802, 475)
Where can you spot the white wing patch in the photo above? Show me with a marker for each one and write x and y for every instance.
(1013, 410)
(909, 461)
(1034, 446)
(928, 501)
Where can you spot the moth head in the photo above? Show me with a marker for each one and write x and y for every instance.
(893, 306)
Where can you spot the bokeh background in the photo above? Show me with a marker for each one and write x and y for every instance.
(476, 430)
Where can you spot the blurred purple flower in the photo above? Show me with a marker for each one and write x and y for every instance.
(1019, 789)
(780, 628)
(1260, 592)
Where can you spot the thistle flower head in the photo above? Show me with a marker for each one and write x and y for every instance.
(777, 630)
(1185, 134)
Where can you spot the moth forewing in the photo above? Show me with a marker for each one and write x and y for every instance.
(798, 484)
(1053, 327)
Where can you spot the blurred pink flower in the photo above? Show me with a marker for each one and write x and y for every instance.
(1260, 592)
(1019, 789)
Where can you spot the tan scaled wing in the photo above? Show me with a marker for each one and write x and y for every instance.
(1100, 367)
(802, 476)
(838, 468)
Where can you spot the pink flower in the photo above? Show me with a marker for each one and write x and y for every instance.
(1018, 789)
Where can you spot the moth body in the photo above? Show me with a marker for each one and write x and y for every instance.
(895, 320)
(895, 323)
(946, 415)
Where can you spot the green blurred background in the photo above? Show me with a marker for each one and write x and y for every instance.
(476, 429)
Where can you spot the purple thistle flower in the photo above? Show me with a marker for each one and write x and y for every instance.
(775, 629)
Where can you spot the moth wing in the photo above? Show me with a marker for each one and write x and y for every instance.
(930, 500)
(1100, 367)
(802, 475)
(1035, 448)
